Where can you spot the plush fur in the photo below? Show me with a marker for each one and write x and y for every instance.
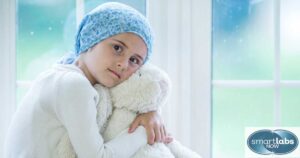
(146, 90)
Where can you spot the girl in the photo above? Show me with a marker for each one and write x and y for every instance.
(112, 42)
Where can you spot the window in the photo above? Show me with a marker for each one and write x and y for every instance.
(256, 81)
(46, 31)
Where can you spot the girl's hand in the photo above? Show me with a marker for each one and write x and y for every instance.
(168, 139)
(154, 126)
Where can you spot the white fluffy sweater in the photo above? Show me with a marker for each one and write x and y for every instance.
(63, 102)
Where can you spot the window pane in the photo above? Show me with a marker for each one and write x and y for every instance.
(290, 106)
(242, 40)
(290, 39)
(45, 32)
(233, 110)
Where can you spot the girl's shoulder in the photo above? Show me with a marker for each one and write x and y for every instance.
(71, 78)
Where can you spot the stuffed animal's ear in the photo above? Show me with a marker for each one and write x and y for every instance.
(159, 85)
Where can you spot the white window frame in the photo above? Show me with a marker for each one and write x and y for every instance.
(277, 83)
(203, 7)
(7, 66)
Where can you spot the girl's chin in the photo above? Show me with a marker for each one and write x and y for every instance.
(109, 84)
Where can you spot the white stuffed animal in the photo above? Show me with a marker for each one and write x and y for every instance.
(146, 90)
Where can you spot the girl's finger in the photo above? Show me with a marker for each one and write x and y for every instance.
(134, 125)
(163, 133)
(150, 135)
(157, 134)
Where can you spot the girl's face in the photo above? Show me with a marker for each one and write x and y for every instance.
(114, 59)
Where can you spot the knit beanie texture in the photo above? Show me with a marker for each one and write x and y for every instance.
(107, 20)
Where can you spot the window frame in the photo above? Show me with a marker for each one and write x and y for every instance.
(7, 66)
(277, 83)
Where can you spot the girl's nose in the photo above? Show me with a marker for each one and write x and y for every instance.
(122, 64)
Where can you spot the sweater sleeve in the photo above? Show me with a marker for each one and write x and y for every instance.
(76, 109)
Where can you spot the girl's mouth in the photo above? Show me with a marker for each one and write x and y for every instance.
(115, 73)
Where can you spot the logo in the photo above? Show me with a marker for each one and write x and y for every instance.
(272, 142)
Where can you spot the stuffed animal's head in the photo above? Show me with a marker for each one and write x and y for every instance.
(146, 90)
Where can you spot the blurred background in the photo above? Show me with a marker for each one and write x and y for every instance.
(233, 63)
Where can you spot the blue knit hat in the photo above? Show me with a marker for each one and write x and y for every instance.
(107, 20)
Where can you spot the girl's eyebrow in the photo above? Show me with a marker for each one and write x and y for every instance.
(122, 43)
(141, 58)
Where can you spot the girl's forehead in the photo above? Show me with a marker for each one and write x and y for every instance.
(127, 35)
(131, 41)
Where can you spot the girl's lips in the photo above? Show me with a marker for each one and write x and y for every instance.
(114, 73)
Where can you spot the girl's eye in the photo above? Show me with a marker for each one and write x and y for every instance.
(134, 60)
(117, 48)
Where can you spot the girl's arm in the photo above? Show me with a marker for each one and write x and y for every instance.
(76, 109)
(154, 126)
